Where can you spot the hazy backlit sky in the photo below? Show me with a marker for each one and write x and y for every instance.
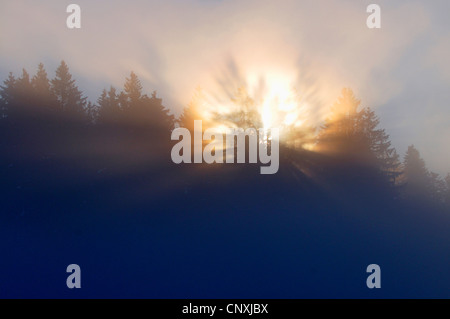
(401, 70)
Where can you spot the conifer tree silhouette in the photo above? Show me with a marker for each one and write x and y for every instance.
(377, 142)
(69, 98)
(109, 111)
(338, 135)
(40, 81)
(354, 134)
(43, 97)
(7, 94)
(418, 184)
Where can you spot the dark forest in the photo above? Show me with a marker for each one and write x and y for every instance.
(93, 183)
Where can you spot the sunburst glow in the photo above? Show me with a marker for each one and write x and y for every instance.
(260, 100)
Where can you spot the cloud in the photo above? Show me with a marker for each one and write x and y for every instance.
(438, 57)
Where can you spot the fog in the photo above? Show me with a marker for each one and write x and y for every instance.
(401, 70)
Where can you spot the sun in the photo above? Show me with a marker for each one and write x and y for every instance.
(260, 100)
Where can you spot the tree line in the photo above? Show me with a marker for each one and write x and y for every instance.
(61, 96)
(353, 132)
(44, 117)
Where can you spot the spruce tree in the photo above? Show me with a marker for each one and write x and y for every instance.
(44, 98)
(416, 174)
(91, 112)
(131, 102)
(69, 98)
(142, 111)
(132, 91)
(21, 102)
(7, 95)
(160, 115)
(339, 135)
(378, 144)
(354, 134)
(40, 81)
(437, 188)
(108, 107)
(24, 92)
(102, 101)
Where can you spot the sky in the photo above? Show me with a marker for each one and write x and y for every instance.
(401, 70)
